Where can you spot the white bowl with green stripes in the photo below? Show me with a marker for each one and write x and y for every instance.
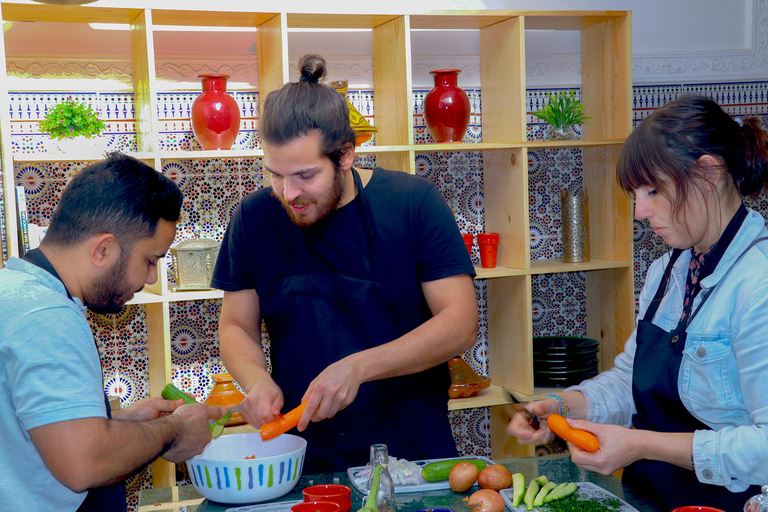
(222, 472)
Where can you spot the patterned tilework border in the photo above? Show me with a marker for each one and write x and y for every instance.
(213, 188)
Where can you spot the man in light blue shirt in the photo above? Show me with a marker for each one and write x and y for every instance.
(61, 450)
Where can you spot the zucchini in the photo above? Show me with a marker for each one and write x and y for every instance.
(554, 493)
(439, 471)
(530, 494)
(542, 480)
(171, 392)
(539, 500)
(518, 483)
(561, 491)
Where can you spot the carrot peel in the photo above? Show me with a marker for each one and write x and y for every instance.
(585, 440)
(282, 423)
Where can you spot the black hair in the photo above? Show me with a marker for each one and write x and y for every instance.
(119, 195)
(298, 108)
(665, 148)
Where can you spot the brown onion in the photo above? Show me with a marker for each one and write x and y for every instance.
(463, 476)
(486, 500)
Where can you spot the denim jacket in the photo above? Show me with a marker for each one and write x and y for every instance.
(723, 378)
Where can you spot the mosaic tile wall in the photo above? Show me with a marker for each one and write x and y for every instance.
(212, 189)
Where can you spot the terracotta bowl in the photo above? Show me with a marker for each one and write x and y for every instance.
(336, 493)
(697, 508)
(241, 468)
(316, 506)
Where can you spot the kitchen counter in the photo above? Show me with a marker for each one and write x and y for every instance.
(557, 468)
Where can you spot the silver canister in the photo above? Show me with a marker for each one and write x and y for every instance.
(574, 212)
(193, 262)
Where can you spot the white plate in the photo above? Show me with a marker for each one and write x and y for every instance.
(586, 490)
(277, 506)
(420, 487)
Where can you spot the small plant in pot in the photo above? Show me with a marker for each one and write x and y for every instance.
(561, 112)
(72, 120)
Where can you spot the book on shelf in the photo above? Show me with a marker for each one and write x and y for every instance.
(23, 222)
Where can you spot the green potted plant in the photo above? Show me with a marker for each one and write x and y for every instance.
(561, 112)
(70, 122)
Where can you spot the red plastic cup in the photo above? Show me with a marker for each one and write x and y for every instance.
(335, 493)
(489, 248)
(467, 241)
(316, 506)
(697, 508)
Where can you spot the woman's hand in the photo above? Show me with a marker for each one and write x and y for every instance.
(521, 426)
(618, 447)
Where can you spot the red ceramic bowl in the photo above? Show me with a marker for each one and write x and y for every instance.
(696, 508)
(316, 506)
(336, 493)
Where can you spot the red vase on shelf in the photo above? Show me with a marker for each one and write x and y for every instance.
(215, 114)
(446, 107)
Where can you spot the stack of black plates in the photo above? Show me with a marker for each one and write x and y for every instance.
(564, 360)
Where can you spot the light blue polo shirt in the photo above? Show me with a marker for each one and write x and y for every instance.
(49, 372)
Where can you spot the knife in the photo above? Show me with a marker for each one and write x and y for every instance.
(532, 419)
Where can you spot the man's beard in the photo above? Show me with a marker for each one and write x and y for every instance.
(324, 205)
(108, 291)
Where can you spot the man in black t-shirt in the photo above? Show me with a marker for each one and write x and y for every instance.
(363, 282)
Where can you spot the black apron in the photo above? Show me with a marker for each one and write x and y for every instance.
(316, 318)
(100, 499)
(660, 409)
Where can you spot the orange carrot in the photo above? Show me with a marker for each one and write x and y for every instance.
(282, 423)
(581, 438)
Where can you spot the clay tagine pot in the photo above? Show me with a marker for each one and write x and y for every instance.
(226, 394)
(464, 381)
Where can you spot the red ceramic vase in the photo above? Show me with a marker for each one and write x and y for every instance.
(215, 114)
(446, 107)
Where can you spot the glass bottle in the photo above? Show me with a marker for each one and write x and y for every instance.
(759, 502)
(386, 500)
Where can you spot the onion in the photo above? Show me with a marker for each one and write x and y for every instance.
(463, 476)
(486, 500)
(496, 477)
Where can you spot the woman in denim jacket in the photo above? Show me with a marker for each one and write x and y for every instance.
(693, 378)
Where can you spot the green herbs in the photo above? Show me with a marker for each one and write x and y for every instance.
(573, 504)
(563, 110)
(70, 118)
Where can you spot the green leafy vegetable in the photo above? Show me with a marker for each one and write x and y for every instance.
(572, 503)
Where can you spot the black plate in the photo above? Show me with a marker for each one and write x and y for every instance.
(569, 358)
(563, 380)
(580, 364)
(563, 344)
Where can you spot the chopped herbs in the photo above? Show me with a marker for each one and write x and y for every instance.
(572, 503)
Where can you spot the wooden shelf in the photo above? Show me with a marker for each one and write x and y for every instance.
(489, 397)
(144, 297)
(61, 157)
(538, 393)
(539, 267)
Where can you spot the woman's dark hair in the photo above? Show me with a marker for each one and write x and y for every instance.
(665, 148)
(119, 195)
(298, 108)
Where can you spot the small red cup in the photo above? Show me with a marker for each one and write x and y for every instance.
(467, 241)
(697, 508)
(489, 247)
(335, 493)
(316, 506)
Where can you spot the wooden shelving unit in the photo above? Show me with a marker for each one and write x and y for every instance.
(606, 56)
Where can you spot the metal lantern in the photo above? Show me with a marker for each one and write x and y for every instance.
(193, 262)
